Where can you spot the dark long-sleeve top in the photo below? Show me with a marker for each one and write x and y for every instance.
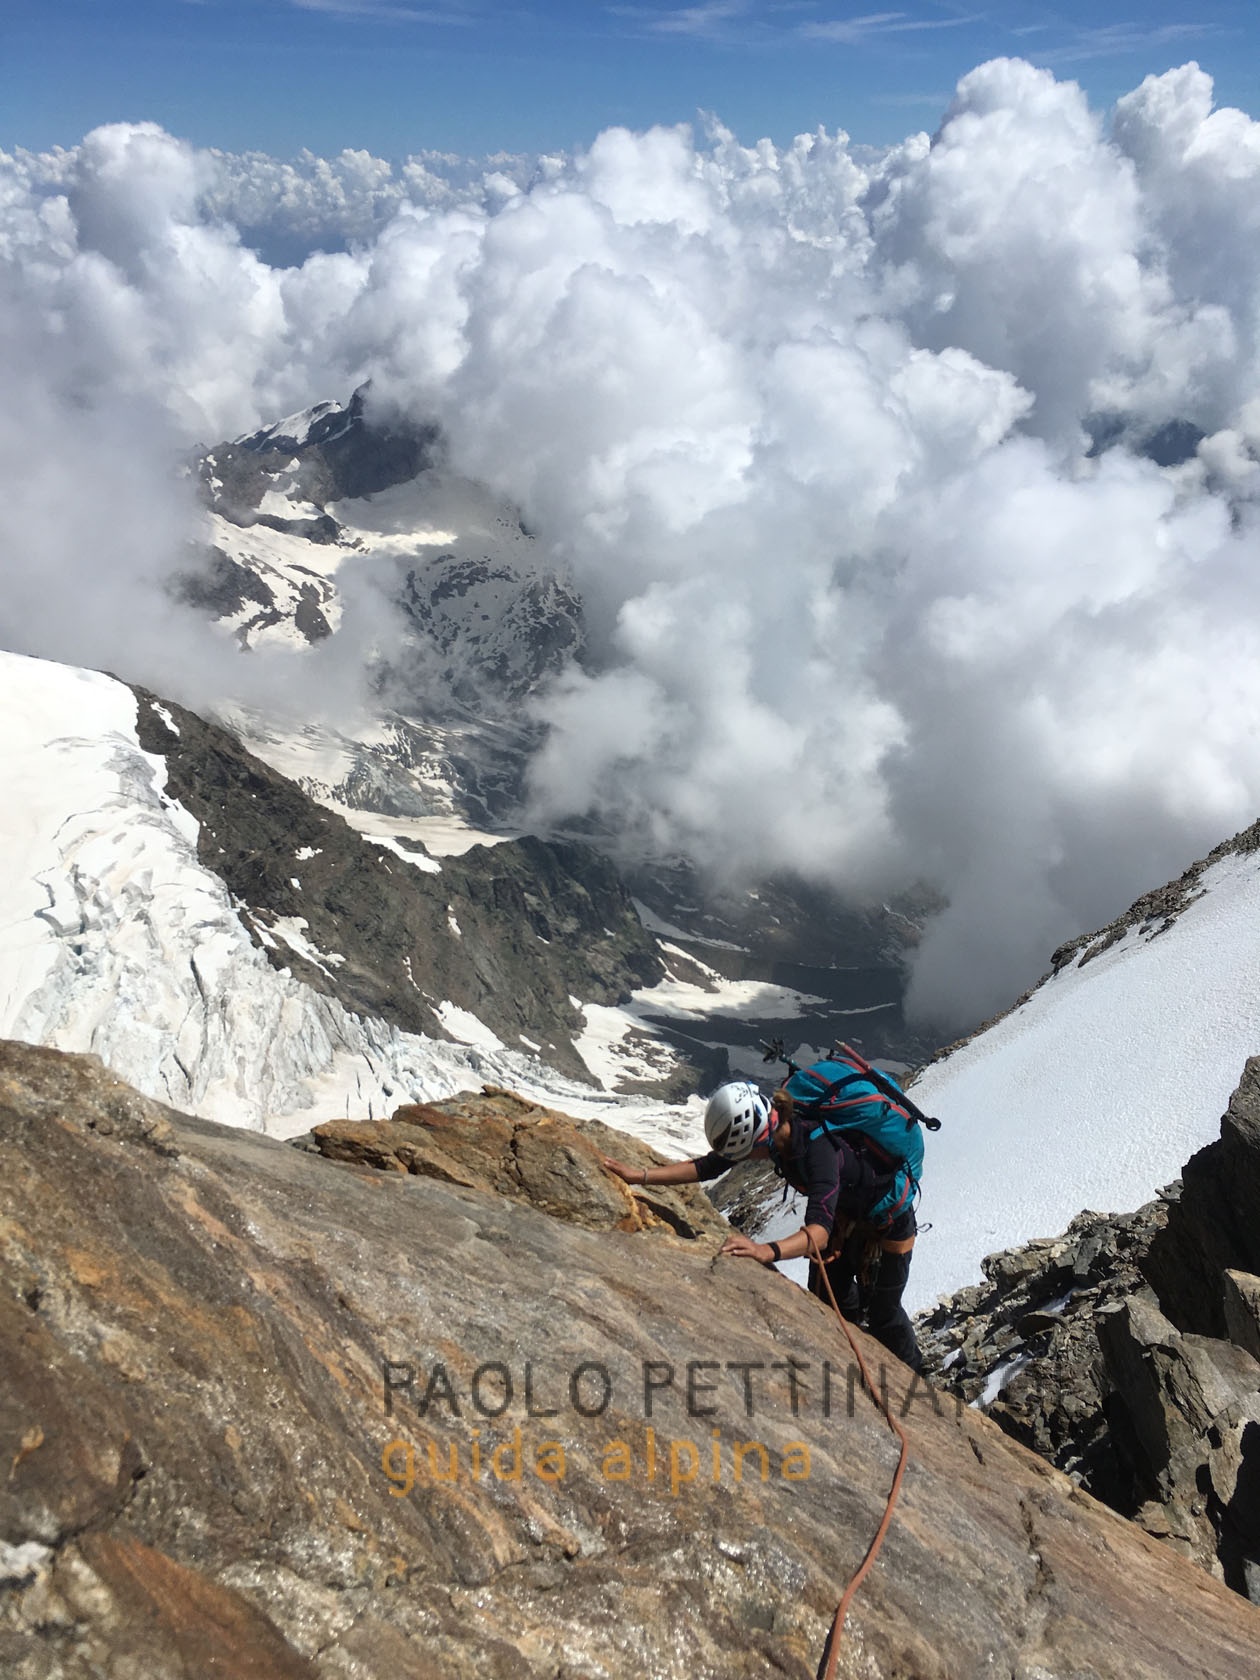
(832, 1176)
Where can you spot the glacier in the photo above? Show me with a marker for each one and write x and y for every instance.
(117, 941)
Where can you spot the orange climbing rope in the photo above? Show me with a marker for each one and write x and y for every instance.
(828, 1669)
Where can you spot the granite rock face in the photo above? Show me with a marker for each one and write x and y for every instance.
(1191, 1411)
(1024, 1344)
(266, 1414)
(1127, 1352)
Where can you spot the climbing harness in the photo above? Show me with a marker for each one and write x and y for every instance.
(831, 1650)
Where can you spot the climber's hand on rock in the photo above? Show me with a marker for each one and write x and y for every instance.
(740, 1247)
(631, 1175)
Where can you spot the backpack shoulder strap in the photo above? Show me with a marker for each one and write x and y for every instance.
(829, 1091)
(894, 1093)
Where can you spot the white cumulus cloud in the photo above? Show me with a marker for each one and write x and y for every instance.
(847, 456)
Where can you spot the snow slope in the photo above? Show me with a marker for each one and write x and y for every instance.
(1093, 1093)
(293, 569)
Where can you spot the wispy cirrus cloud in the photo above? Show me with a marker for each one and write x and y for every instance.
(753, 23)
(388, 11)
(1115, 39)
(708, 21)
(853, 31)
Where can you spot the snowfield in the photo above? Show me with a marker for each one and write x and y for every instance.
(290, 566)
(1094, 1092)
(618, 1043)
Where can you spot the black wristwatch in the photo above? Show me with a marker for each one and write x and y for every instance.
(774, 1249)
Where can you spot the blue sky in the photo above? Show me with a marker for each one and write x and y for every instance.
(476, 76)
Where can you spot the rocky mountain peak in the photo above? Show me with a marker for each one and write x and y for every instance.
(314, 505)
(328, 453)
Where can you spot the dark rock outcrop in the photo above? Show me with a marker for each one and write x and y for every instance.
(1128, 1351)
(340, 453)
(509, 933)
(1024, 1344)
(1190, 1407)
(1215, 1227)
(1242, 1311)
(202, 1476)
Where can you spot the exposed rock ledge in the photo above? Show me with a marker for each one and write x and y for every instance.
(192, 1328)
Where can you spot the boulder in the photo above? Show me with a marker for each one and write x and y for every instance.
(500, 1142)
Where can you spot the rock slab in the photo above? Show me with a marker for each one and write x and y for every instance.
(201, 1330)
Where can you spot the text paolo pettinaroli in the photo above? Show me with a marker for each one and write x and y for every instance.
(481, 1420)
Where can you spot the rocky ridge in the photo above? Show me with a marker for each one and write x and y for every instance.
(1127, 1351)
(236, 1377)
(1155, 912)
(509, 933)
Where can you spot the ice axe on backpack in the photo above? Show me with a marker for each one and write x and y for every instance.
(774, 1052)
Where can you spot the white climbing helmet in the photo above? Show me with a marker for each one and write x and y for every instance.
(736, 1120)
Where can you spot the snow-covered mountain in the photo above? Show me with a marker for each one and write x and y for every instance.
(1093, 1090)
(117, 937)
(330, 500)
(315, 515)
(330, 524)
(114, 938)
(174, 905)
(171, 904)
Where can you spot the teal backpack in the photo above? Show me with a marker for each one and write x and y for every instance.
(845, 1097)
